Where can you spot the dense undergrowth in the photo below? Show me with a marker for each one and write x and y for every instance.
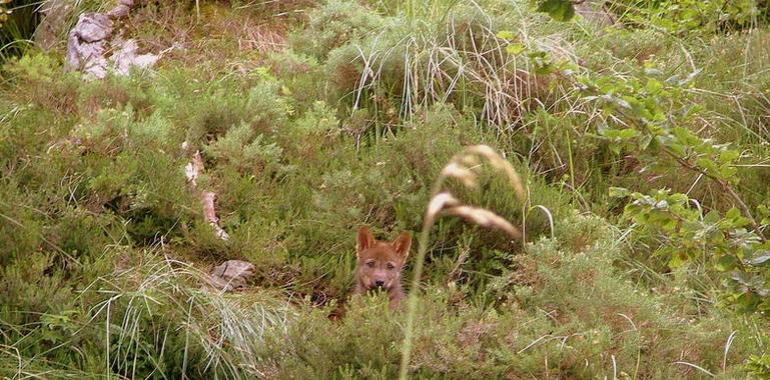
(643, 149)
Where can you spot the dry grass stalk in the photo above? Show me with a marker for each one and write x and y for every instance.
(484, 218)
(460, 167)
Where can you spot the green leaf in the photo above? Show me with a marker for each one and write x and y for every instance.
(514, 49)
(711, 218)
(645, 141)
(559, 10)
(678, 198)
(505, 35)
(726, 263)
(628, 133)
(677, 260)
(729, 156)
(708, 165)
(653, 86)
(762, 259)
(728, 172)
(733, 213)
(678, 149)
(619, 192)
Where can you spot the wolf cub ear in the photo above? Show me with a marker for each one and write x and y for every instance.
(364, 240)
(402, 244)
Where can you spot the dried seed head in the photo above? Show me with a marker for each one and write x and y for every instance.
(465, 175)
(501, 164)
(437, 203)
(484, 218)
(461, 166)
(469, 160)
(483, 150)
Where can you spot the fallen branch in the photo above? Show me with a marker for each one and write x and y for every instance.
(210, 213)
(193, 170)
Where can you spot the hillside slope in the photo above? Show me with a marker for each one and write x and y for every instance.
(642, 148)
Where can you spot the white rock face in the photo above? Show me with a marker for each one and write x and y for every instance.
(86, 46)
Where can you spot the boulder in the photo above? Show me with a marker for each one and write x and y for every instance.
(127, 57)
(231, 275)
(87, 45)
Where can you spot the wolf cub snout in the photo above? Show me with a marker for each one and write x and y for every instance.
(379, 264)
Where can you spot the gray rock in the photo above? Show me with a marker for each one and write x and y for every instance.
(119, 11)
(92, 27)
(231, 275)
(126, 57)
(122, 9)
(88, 46)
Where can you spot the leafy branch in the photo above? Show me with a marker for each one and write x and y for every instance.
(721, 240)
(648, 119)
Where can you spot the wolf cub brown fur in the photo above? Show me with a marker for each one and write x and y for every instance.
(379, 264)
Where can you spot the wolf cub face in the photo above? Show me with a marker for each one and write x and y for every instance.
(379, 263)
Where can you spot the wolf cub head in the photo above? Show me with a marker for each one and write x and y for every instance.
(380, 262)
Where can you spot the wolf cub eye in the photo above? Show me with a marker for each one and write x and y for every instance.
(370, 263)
(391, 266)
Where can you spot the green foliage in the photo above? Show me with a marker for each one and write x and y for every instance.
(565, 305)
(464, 58)
(559, 10)
(335, 24)
(723, 241)
(759, 365)
(32, 67)
(104, 247)
(692, 16)
(248, 153)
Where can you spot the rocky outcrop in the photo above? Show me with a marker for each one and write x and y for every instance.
(87, 44)
(93, 49)
(127, 56)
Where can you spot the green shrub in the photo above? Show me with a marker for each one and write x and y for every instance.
(334, 24)
(683, 16)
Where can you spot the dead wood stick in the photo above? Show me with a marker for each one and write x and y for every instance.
(193, 170)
